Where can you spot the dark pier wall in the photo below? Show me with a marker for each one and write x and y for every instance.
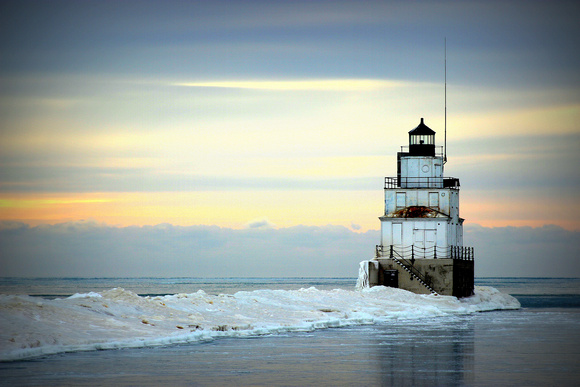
(449, 277)
(463, 278)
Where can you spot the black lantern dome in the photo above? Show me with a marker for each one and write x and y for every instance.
(422, 141)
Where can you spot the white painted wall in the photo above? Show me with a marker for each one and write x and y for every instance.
(421, 232)
(444, 230)
(447, 199)
(421, 167)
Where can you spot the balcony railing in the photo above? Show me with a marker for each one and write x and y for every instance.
(434, 252)
(421, 182)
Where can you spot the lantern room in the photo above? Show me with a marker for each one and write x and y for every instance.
(422, 141)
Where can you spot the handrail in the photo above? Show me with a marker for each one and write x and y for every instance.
(409, 265)
(412, 252)
(414, 272)
(421, 182)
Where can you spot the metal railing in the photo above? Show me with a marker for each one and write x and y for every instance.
(421, 182)
(413, 252)
(408, 266)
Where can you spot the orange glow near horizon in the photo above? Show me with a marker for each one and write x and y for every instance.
(358, 210)
(224, 209)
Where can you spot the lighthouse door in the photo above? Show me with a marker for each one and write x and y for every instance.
(419, 237)
(397, 234)
(424, 238)
(434, 200)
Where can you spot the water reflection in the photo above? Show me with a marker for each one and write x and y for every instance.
(437, 351)
(402, 353)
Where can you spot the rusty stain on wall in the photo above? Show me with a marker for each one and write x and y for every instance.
(415, 212)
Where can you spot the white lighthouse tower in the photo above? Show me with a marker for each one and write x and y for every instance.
(421, 232)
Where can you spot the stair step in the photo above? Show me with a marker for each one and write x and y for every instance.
(413, 275)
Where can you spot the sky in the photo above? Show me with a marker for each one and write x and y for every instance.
(263, 119)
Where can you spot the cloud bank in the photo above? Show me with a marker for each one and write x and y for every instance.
(91, 249)
(313, 84)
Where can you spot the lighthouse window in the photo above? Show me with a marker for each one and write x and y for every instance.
(422, 139)
(401, 200)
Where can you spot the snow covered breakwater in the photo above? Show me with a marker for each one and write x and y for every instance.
(32, 327)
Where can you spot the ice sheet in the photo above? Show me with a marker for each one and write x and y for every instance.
(117, 318)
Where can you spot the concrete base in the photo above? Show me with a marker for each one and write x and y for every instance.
(449, 277)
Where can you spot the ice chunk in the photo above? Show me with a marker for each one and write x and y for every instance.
(118, 318)
(362, 281)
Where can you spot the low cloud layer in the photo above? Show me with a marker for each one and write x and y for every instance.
(548, 251)
(90, 249)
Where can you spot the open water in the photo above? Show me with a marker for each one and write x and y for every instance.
(332, 337)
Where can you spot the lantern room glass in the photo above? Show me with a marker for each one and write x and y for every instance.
(422, 139)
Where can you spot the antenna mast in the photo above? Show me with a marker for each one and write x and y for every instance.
(445, 145)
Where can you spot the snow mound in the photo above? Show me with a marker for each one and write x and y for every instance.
(117, 318)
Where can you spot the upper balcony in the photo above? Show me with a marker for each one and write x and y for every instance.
(421, 182)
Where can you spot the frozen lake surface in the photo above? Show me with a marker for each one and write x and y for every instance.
(530, 346)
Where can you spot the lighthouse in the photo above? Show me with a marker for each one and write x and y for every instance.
(421, 247)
